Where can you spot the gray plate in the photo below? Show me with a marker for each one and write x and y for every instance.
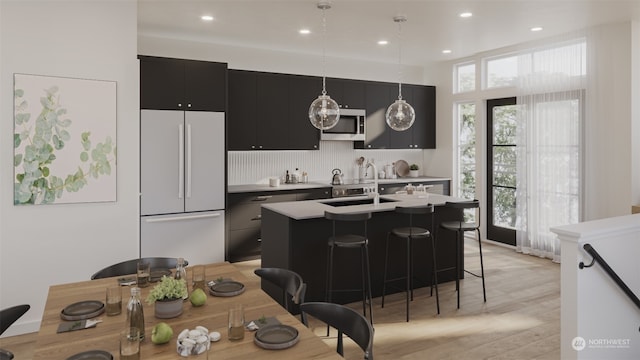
(275, 337)
(92, 355)
(226, 288)
(82, 310)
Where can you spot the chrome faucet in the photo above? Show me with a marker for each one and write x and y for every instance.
(376, 196)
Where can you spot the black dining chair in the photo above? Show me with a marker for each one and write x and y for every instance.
(130, 266)
(9, 316)
(347, 321)
(291, 284)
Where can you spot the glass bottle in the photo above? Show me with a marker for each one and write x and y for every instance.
(181, 273)
(135, 314)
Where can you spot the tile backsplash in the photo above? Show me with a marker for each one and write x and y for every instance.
(255, 167)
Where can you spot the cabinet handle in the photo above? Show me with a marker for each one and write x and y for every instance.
(180, 161)
(253, 146)
(179, 218)
(263, 198)
(188, 160)
(381, 189)
(188, 105)
(257, 217)
(179, 105)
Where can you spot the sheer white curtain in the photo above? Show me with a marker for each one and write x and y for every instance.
(549, 144)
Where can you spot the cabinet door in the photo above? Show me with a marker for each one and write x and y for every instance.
(377, 101)
(403, 139)
(424, 130)
(161, 83)
(205, 85)
(301, 135)
(353, 93)
(272, 125)
(242, 110)
(204, 161)
(161, 161)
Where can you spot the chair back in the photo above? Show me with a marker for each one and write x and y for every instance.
(346, 321)
(351, 217)
(130, 266)
(9, 315)
(471, 204)
(289, 281)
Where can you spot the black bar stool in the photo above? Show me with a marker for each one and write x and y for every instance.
(460, 227)
(410, 234)
(350, 241)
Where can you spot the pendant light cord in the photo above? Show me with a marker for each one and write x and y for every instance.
(324, 55)
(400, 59)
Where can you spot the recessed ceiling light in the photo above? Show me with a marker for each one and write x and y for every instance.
(304, 31)
(383, 42)
(207, 17)
(536, 28)
(446, 51)
(466, 14)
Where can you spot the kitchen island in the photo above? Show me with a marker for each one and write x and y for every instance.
(294, 236)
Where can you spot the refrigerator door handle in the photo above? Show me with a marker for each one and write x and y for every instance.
(188, 160)
(179, 218)
(180, 161)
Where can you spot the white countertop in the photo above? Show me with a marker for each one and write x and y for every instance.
(317, 184)
(310, 209)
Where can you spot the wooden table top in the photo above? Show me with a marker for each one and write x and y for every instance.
(212, 315)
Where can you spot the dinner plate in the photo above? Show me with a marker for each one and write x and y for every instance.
(275, 337)
(92, 355)
(402, 168)
(226, 288)
(156, 274)
(82, 310)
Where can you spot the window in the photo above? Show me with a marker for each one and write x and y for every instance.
(465, 77)
(467, 154)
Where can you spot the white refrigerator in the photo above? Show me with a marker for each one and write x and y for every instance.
(182, 183)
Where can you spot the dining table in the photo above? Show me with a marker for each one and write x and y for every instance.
(213, 315)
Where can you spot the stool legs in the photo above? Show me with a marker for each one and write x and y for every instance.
(484, 292)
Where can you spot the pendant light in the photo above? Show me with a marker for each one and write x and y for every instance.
(400, 115)
(324, 112)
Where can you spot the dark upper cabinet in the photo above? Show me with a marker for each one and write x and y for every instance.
(421, 135)
(269, 111)
(347, 93)
(177, 84)
(242, 115)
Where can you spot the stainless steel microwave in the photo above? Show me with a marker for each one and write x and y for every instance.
(350, 126)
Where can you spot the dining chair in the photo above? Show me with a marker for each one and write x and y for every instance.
(130, 266)
(291, 283)
(7, 317)
(347, 321)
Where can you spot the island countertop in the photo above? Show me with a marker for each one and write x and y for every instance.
(311, 209)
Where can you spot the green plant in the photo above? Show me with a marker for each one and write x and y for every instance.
(35, 184)
(414, 167)
(169, 288)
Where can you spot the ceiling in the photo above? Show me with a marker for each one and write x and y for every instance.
(355, 26)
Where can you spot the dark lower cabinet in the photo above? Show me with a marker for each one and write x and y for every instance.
(244, 219)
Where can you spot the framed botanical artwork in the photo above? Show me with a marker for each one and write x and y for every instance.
(64, 140)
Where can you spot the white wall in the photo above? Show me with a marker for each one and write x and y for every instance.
(51, 244)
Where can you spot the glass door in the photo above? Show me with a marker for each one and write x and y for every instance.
(501, 170)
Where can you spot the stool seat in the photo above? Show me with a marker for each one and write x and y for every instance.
(458, 226)
(414, 232)
(348, 240)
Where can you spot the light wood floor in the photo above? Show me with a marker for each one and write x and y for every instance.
(520, 320)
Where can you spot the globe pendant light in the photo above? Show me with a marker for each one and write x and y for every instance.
(324, 112)
(400, 115)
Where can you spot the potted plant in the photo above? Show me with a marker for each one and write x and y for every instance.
(167, 297)
(414, 170)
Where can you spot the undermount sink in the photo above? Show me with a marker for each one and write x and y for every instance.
(356, 202)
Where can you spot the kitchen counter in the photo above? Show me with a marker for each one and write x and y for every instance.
(294, 237)
(300, 210)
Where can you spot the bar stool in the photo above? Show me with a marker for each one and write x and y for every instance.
(350, 241)
(410, 234)
(460, 227)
